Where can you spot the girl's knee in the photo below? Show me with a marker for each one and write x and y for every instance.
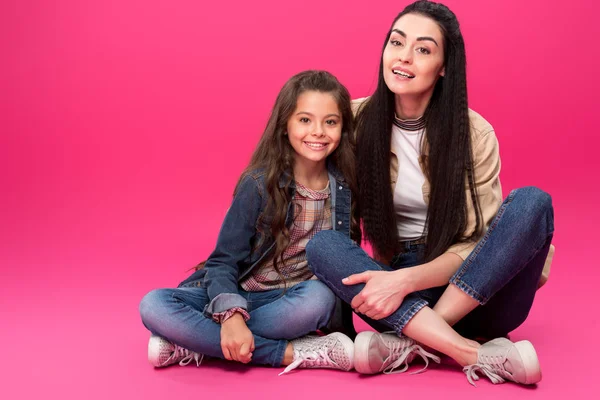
(315, 296)
(319, 290)
(152, 304)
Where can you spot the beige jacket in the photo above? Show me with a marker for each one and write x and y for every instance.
(486, 159)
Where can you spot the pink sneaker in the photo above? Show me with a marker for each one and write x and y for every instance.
(500, 359)
(162, 353)
(334, 351)
(377, 352)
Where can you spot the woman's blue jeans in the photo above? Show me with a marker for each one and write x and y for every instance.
(501, 273)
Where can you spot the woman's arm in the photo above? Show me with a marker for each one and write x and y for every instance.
(384, 291)
(486, 162)
(486, 169)
(434, 273)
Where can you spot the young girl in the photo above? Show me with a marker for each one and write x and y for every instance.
(255, 299)
(454, 262)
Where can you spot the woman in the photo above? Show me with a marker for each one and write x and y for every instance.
(454, 262)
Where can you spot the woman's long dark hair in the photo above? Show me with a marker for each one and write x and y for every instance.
(275, 156)
(449, 162)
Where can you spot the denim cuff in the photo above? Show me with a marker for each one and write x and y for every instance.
(224, 302)
(408, 314)
(468, 290)
(224, 316)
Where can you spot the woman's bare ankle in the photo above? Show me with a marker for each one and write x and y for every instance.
(466, 353)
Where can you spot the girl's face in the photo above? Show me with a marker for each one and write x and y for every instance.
(315, 127)
(413, 58)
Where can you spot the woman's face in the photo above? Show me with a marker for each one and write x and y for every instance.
(413, 58)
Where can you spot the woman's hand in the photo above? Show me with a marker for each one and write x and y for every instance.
(237, 342)
(383, 293)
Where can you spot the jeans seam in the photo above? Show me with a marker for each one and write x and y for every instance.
(457, 278)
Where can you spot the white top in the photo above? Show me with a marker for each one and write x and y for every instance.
(411, 210)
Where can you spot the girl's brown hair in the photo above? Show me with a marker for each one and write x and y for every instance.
(275, 156)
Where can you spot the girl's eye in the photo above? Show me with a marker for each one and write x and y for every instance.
(423, 50)
(395, 42)
(331, 122)
(304, 119)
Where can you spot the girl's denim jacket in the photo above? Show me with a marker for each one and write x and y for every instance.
(235, 257)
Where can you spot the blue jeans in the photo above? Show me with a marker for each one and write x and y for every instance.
(275, 317)
(501, 273)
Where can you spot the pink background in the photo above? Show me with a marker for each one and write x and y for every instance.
(124, 125)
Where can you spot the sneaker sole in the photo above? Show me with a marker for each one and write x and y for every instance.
(533, 373)
(361, 353)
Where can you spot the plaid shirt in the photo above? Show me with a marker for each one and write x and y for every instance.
(313, 214)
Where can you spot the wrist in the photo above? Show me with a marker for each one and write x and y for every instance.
(408, 279)
(235, 319)
(225, 315)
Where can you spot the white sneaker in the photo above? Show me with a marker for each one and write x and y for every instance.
(501, 359)
(161, 353)
(377, 352)
(335, 351)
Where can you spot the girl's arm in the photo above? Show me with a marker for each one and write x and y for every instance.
(234, 245)
(237, 342)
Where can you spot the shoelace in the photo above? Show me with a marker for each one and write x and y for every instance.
(403, 359)
(192, 356)
(308, 358)
(187, 355)
(491, 366)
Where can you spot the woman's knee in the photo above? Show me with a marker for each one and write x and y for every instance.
(322, 246)
(322, 241)
(538, 200)
(537, 206)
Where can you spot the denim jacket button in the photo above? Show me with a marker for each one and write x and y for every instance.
(340, 188)
(339, 222)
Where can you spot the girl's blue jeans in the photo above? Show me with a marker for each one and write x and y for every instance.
(501, 273)
(275, 318)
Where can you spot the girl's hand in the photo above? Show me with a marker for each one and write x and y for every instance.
(237, 342)
(383, 293)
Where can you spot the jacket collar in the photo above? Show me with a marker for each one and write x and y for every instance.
(286, 177)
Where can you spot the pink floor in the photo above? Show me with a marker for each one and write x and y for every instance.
(124, 125)
(70, 326)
